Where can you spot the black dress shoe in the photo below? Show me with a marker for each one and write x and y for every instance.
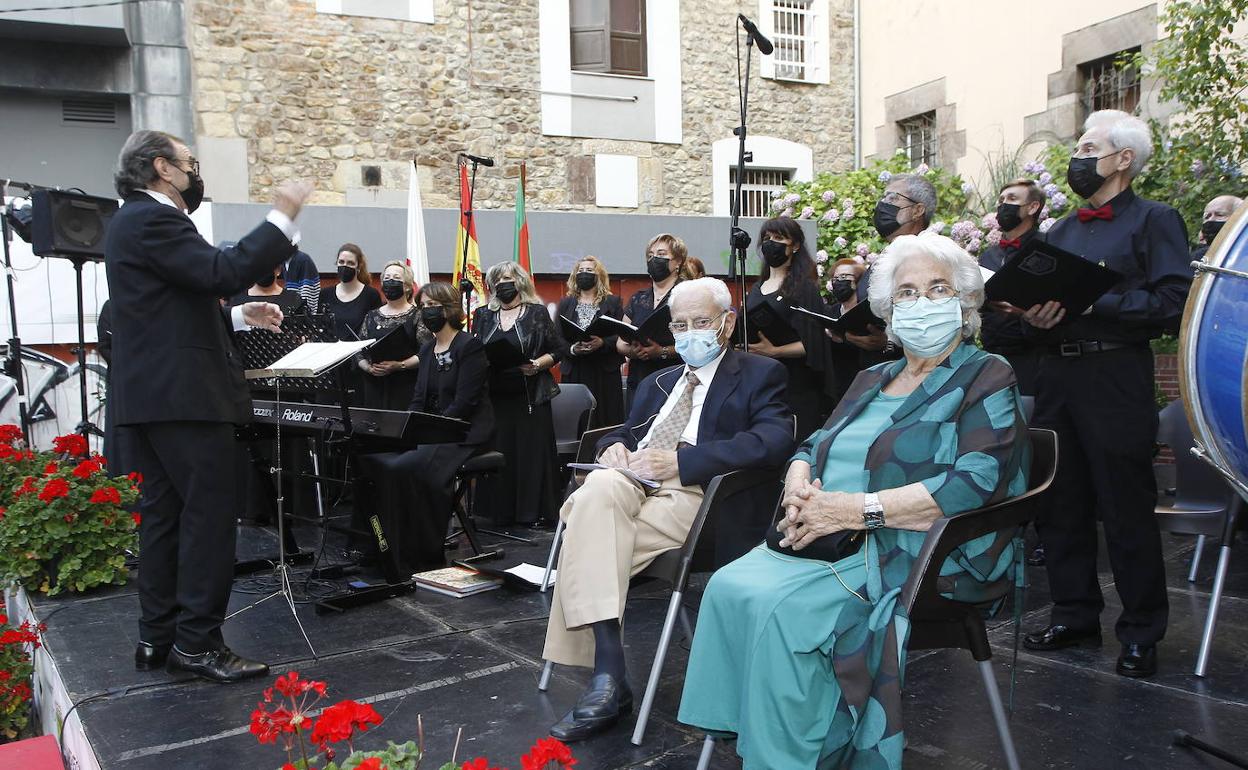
(1036, 557)
(216, 665)
(1138, 660)
(600, 707)
(148, 657)
(1058, 637)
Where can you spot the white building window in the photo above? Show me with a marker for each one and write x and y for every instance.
(799, 31)
(776, 162)
(402, 10)
(917, 136)
(757, 187)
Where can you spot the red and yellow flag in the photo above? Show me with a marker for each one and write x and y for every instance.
(468, 231)
(520, 248)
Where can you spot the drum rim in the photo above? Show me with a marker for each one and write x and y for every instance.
(1193, 314)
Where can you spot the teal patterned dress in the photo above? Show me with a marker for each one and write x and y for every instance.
(803, 659)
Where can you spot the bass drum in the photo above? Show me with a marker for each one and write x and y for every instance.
(1213, 352)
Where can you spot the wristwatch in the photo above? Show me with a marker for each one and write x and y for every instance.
(872, 511)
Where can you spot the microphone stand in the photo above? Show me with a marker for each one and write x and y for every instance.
(466, 286)
(13, 360)
(739, 239)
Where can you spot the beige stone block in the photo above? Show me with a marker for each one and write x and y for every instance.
(218, 124)
(343, 151)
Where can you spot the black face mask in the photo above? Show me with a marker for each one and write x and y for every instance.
(659, 269)
(1211, 229)
(775, 253)
(586, 281)
(1008, 217)
(346, 273)
(506, 292)
(434, 318)
(193, 195)
(842, 289)
(1082, 176)
(266, 281)
(885, 218)
(392, 288)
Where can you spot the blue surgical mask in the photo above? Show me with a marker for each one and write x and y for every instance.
(699, 347)
(927, 327)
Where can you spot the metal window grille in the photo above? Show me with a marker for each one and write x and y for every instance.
(791, 36)
(1109, 84)
(757, 187)
(98, 112)
(918, 138)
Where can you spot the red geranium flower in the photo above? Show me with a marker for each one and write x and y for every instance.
(72, 444)
(137, 518)
(480, 763)
(106, 495)
(50, 468)
(546, 751)
(53, 489)
(290, 685)
(135, 476)
(10, 433)
(87, 468)
(69, 518)
(372, 763)
(341, 720)
(28, 486)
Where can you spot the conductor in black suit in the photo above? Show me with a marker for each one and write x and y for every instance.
(178, 391)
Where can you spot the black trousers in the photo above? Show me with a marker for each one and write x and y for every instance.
(186, 538)
(1103, 409)
(1026, 365)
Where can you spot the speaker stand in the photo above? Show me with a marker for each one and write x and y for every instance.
(85, 427)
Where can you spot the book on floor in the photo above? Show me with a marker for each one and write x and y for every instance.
(455, 581)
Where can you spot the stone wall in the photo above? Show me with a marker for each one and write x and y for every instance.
(323, 96)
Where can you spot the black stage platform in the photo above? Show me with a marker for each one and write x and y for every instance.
(474, 663)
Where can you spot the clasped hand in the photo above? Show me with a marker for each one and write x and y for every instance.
(655, 464)
(811, 513)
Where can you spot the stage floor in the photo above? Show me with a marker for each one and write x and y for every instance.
(474, 663)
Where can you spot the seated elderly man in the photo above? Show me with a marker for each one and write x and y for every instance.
(800, 644)
(1217, 211)
(720, 411)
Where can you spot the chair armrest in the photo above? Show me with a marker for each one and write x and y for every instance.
(721, 487)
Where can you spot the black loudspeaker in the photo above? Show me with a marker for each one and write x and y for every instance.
(73, 225)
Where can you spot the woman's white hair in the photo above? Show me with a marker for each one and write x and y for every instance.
(512, 270)
(1125, 132)
(968, 280)
(717, 289)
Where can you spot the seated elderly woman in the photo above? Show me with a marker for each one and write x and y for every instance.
(800, 644)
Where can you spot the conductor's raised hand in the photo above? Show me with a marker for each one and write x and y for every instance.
(263, 315)
(291, 196)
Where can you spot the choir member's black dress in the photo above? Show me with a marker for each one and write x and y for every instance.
(600, 370)
(392, 391)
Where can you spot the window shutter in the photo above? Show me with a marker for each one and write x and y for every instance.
(590, 51)
(628, 37)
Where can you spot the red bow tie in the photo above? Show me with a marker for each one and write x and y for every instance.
(1105, 212)
(1010, 243)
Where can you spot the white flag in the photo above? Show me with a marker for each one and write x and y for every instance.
(417, 252)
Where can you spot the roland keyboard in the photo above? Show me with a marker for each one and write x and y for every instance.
(403, 429)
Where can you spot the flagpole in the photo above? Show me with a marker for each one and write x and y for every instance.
(465, 282)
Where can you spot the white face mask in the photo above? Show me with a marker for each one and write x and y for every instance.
(927, 327)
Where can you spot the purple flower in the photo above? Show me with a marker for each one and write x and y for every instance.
(828, 196)
(1045, 178)
(885, 176)
(791, 198)
(778, 204)
(993, 237)
(1059, 200)
(807, 213)
(861, 249)
(786, 213)
(936, 227)
(828, 286)
(821, 256)
(1046, 224)
(831, 215)
(872, 257)
(989, 221)
(1044, 213)
(967, 188)
(840, 242)
(973, 246)
(1033, 167)
(923, 169)
(1050, 189)
(1198, 167)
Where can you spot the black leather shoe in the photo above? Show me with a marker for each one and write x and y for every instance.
(1058, 637)
(1138, 660)
(148, 657)
(217, 665)
(1036, 557)
(600, 707)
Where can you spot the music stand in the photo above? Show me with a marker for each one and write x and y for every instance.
(329, 357)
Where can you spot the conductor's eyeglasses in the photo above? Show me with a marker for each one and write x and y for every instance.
(701, 324)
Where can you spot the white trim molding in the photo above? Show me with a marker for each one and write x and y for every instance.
(402, 10)
(769, 152)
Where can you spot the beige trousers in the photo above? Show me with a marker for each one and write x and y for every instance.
(612, 531)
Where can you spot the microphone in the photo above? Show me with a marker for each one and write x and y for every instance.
(764, 45)
(488, 161)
